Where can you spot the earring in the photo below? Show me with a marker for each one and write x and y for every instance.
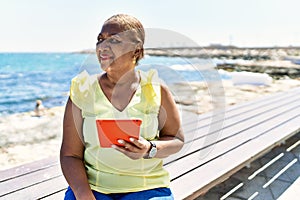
(134, 60)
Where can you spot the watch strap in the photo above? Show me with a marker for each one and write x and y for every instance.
(152, 151)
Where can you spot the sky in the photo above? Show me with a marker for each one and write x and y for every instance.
(73, 25)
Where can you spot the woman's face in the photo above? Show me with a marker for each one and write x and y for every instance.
(115, 48)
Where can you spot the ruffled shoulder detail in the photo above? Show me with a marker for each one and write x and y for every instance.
(81, 90)
(150, 92)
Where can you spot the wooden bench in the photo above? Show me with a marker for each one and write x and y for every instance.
(218, 144)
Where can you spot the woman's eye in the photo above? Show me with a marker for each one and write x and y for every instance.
(109, 40)
(99, 41)
(113, 41)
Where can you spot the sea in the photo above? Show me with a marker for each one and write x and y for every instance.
(26, 77)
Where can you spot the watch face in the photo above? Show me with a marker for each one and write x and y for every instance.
(153, 151)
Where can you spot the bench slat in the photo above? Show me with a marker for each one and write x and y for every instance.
(55, 196)
(29, 179)
(27, 168)
(40, 190)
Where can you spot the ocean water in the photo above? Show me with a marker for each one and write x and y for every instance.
(26, 77)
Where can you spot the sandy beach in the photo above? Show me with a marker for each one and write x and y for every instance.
(25, 138)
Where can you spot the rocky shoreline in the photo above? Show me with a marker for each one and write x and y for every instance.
(226, 52)
(275, 68)
(277, 62)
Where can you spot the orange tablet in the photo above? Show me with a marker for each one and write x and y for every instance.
(110, 130)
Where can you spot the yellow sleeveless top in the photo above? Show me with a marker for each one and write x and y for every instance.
(108, 170)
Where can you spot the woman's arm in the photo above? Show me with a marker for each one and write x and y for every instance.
(71, 153)
(171, 138)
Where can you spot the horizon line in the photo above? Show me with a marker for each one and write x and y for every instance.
(211, 46)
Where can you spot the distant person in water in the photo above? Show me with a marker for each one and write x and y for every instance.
(39, 108)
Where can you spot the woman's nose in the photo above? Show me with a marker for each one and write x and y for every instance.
(102, 45)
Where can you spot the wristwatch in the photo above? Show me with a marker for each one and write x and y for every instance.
(153, 150)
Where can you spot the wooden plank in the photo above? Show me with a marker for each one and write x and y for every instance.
(40, 190)
(217, 170)
(236, 118)
(240, 111)
(218, 121)
(27, 168)
(29, 179)
(243, 107)
(198, 133)
(56, 195)
(231, 128)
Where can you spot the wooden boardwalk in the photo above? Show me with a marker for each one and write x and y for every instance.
(217, 146)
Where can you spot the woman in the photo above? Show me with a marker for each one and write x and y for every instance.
(133, 169)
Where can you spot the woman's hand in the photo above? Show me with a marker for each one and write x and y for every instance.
(135, 149)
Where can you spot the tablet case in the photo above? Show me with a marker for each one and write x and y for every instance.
(110, 130)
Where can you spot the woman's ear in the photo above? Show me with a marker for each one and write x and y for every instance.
(137, 52)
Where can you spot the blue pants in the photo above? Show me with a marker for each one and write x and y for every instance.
(153, 194)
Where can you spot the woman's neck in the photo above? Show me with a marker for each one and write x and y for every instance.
(122, 78)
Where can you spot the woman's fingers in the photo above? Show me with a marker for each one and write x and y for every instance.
(135, 145)
(134, 149)
(141, 143)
